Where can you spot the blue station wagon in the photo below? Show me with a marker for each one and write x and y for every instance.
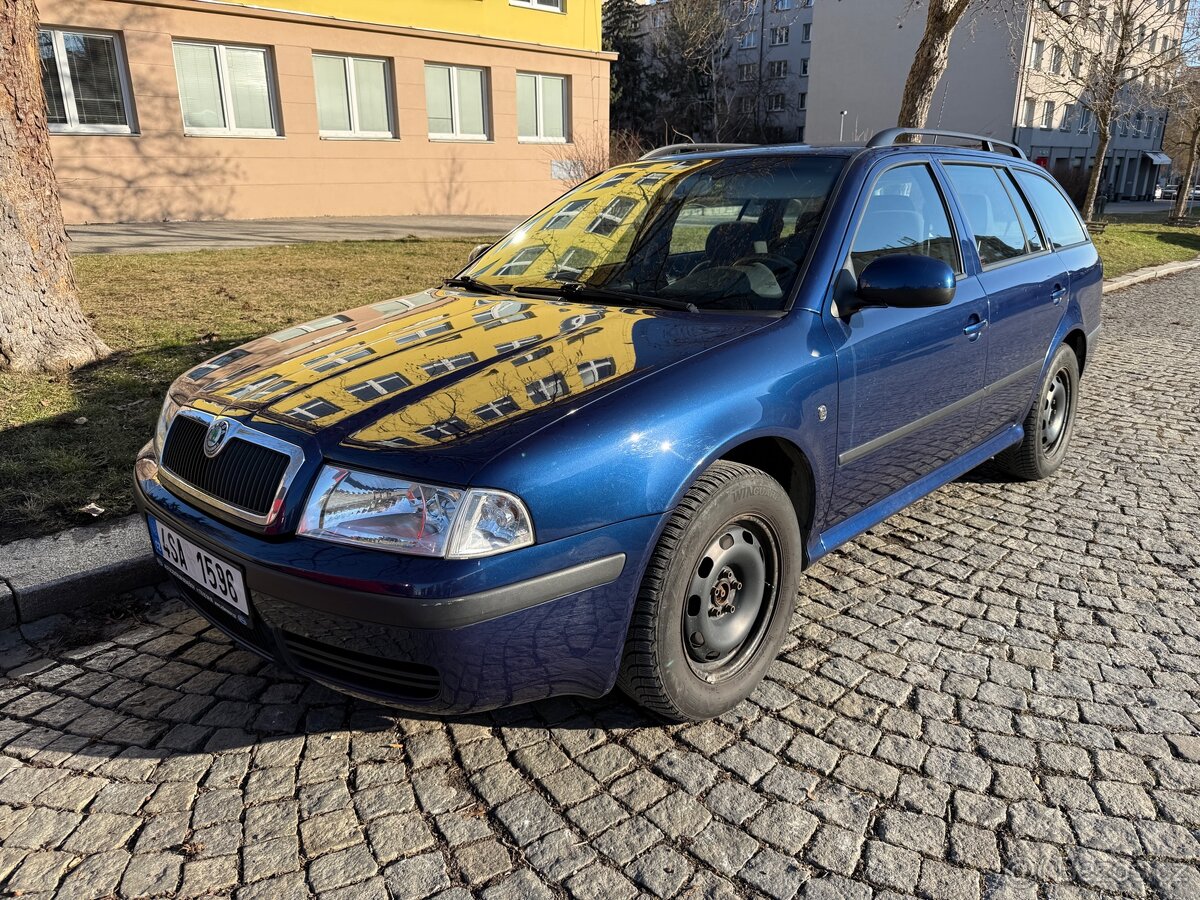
(605, 451)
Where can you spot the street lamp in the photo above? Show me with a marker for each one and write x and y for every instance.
(842, 125)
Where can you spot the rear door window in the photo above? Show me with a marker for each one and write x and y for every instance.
(1033, 237)
(904, 214)
(989, 211)
(1062, 225)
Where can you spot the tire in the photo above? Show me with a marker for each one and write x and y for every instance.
(738, 527)
(1049, 424)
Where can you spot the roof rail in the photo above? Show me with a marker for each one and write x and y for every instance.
(673, 149)
(890, 136)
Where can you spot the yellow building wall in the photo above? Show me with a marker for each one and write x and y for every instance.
(577, 27)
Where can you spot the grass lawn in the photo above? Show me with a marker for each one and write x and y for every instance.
(69, 441)
(161, 314)
(1134, 242)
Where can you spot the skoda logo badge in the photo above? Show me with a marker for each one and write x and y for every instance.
(214, 438)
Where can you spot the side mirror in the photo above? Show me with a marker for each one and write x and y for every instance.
(903, 280)
(477, 251)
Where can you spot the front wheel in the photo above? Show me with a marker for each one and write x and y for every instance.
(717, 597)
(1050, 423)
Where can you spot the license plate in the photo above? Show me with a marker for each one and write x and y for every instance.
(216, 579)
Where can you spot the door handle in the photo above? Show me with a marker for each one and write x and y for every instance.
(975, 329)
(1058, 293)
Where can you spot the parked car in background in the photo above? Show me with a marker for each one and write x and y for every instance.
(605, 451)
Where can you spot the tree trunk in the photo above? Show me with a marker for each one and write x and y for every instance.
(42, 327)
(1183, 198)
(928, 66)
(1089, 202)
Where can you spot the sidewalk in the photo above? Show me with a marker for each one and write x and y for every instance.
(175, 237)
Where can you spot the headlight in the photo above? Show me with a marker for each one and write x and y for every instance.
(365, 509)
(165, 417)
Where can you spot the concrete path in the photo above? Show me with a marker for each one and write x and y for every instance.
(174, 237)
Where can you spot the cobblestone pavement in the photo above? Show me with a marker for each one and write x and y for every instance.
(993, 694)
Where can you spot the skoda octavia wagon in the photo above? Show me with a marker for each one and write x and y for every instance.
(605, 451)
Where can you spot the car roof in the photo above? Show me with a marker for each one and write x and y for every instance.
(839, 150)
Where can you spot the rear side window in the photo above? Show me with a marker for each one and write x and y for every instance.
(904, 214)
(1058, 218)
(989, 211)
(1033, 237)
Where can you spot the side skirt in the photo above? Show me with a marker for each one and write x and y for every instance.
(852, 527)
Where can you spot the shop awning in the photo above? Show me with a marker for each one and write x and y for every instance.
(1158, 157)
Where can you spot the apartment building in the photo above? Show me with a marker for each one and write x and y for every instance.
(1007, 78)
(769, 66)
(201, 109)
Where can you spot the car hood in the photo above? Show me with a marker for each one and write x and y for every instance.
(448, 371)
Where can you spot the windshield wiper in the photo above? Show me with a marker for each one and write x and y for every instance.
(577, 290)
(473, 284)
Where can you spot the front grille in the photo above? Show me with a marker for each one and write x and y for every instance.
(394, 678)
(244, 474)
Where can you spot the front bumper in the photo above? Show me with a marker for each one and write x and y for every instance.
(426, 634)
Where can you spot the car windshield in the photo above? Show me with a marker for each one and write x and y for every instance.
(727, 233)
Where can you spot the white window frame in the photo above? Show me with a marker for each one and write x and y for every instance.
(780, 35)
(550, 6)
(540, 110)
(347, 64)
(67, 86)
(227, 95)
(457, 135)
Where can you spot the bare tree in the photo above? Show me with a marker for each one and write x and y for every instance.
(932, 57)
(591, 152)
(1118, 61)
(42, 327)
(1183, 135)
(690, 48)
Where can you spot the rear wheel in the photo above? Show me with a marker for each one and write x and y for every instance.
(1050, 423)
(717, 597)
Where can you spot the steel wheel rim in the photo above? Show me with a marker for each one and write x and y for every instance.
(1056, 406)
(731, 599)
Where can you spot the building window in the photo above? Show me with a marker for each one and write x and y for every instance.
(777, 68)
(806, 32)
(804, 67)
(225, 89)
(546, 389)
(596, 370)
(1048, 111)
(745, 105)
(747, 71)
(784, 5)
(776, 102)
(1056, 60)
(374, 388)
(800, 133)
(548, 5)
(780, 35)
(608, 219)
(315, 409)
(748, 40)
(327, 362)
(354, 97)
(447, 428)
(802, 101)
(1037, 52)
(448, 364)
(572, 264)
(456, 101)
(1068, 119)
(497, 409)
(567, 214)
(541, 107)
(520, 263)
(1030, 112)
(84, 77)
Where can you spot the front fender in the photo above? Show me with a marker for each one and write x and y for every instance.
(637, 451)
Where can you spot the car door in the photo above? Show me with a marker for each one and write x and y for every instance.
(1025, 283)
(908, 379)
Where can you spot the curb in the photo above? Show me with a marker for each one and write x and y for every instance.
(74, 568)
(1150, 273)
